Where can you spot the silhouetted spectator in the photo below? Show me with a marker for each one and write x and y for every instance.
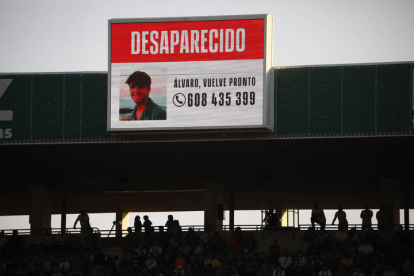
(329, 261)
(47, 266)
(211, 264)
(301, 264)
(212, 246)
(200, 251)
(137, 224)
(358, 271)
(315, 262)
(206, 235)
(274, 251)
(78, 266)
(74, 246)
(191, 237)
(278, 271)
(162, 237)
(347, 262)
(304, 246)
(240, 264)
(155, 249)
(147, 225)
(98, 263)
(234, 271)
(341, 271)
(150, 263)
(356, 236)
(176, 229)
(15, 244)
(169, 224)
(90, 242)
(398, 249)
(221, 244)
(255, 262)
(193, 262)
(374, 271)
(144, 271)
(402, 234)
(3, 268)
(342, 221)
(310, 235)
(249, 243)
(110, 267)
(407, 267)
(185, 248)
(359, 260)
(325, 271)
(64, 266)
(390, 271)
(340, 237)
(366, 216)
(61, 243)
(285, 262)
(31, 269)
(3, 243)
(141, 252)
(251, 272)
(366, 248)
(46, 242)
(167, 264)
(236, 239)
(135, 264)
(130, 241)
(383, 218)
(56, 271)
(180, 264)
(83, 219)
(173, 245)
(264, 271)
(191, 271)
(318, 216)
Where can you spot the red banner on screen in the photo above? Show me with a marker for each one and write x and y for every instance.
(187, 41)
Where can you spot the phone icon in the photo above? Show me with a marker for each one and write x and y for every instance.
(179, 99)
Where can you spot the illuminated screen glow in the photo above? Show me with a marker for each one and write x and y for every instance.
(203, 74)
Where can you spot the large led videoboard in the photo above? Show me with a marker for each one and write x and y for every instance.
(190, 73)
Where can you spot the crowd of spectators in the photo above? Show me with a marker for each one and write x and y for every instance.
(57, 255)
(171, 251)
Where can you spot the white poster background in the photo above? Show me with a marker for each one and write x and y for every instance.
(208, 116)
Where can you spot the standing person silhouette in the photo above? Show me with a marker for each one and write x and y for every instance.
(137, 224)
(147, 225)
(83, 219)
(366, 216)
(169, 223)
(342, 221)
(318, 216)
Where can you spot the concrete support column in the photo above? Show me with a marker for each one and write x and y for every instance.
(231, 211)
(123, 218)
(406, 205)
(40, 207)
(213, 204)
(390, 196)
(64, 212)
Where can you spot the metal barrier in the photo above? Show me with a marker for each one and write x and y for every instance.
(357, 226)
(197, 228)
(53, 231)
